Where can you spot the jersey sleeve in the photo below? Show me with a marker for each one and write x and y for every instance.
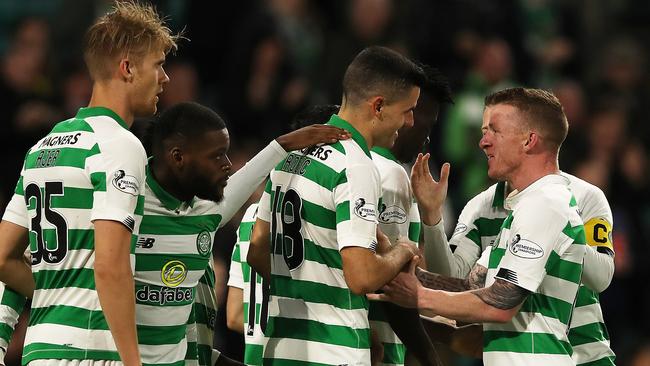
(235, 274)
(117, 173)
(484, 259)
(467, 238)
(598, 267)
(534, 236)
(396, 203)
(356, 199)
(245, 181)
(16, 211)
(264, 208)
(415, 225)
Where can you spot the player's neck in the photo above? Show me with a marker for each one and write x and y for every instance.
(106, 95)
(532, 170)
(167, 180)
(359, 121)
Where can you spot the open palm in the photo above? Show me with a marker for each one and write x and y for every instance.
(429, 193)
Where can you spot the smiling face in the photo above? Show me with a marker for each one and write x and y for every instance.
(149, 77)
(394, 116)
(503, 140)
(207, 166)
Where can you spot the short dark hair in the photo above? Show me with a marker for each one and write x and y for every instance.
(542, 109)
(316, 114)
(185, 120)
(436, 85)
(380, 71)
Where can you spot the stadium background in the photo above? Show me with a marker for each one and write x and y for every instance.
(258, 62)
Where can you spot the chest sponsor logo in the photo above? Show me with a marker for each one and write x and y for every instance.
(392, 215)
(163, 295)
(365, 210)
(524, 248)
(173, 273)
(126, 183)
(204, 243)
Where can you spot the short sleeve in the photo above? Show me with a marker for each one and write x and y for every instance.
(356, 201)
(534, 235)
(264, 208)
(415, 225)
(598, 220)
(117, 174)
(484, 259)
(235, 275)
(16, 211)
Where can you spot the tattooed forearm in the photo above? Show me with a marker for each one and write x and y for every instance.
(502, 295)
(439, 282)
(476, 278)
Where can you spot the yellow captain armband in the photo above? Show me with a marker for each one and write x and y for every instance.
(598, 232)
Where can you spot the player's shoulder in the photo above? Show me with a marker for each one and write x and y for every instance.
(487, 198)
(251, 213)
(591, 200)
(389, 169)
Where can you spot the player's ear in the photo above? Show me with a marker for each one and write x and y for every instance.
(126, 71)
(176, 156)
(377, 104)
(532, 140)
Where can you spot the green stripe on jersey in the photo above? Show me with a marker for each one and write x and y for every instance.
(341, 298)
(69, 316)
(311, 330)
(178, 225)
(34, 351)
(76, 278)
(534, 343)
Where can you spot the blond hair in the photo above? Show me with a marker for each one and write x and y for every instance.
(130, 29)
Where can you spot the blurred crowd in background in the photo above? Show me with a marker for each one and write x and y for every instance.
(258, 62)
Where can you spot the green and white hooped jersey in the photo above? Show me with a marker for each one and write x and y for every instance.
(475, 232)
(318, 202)
(398, 217)
(255, 306)
(201, 323)
(90, 167)
(540, 248)
(172, 254)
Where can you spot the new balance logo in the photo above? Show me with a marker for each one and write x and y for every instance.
(145, 243)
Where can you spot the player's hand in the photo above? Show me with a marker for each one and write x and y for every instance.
(312, 135)
(403, 289)
(429, 194)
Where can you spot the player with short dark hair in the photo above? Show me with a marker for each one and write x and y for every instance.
(321, 206)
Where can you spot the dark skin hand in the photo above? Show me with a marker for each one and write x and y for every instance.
(312, 135)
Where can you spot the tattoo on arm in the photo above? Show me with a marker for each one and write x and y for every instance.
(502, 294)
(436, 281)
(476, 278)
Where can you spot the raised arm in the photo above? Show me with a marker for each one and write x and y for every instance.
(245, 181)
